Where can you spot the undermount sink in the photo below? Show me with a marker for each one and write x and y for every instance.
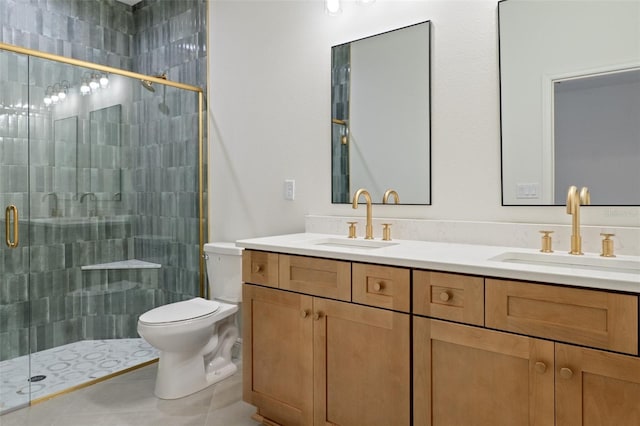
(607, 264)
(352, 243)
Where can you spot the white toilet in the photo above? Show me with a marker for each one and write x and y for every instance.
(195, 337)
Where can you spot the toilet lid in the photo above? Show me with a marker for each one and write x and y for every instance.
(180, 311)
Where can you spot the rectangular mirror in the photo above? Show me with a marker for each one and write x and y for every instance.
(570, 100)
(380, 116)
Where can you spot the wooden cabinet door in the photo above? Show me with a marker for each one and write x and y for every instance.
(361, 365)
(596, 387)
(278, 354)
(466, 375)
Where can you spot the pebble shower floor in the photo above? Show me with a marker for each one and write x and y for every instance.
(67, 366)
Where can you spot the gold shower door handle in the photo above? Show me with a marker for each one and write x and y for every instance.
(12, 210)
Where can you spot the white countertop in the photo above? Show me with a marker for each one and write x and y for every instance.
(462, 258)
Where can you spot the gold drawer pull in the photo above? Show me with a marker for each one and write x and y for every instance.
(445, 296)
(378, 286)
(257, 268)
(304, 313)
(541, 367)
(566, 373)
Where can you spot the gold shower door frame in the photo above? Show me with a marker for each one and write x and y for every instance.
(202, 149)
(202, 231)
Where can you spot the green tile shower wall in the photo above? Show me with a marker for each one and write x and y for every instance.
(340, 59)
(160, 187)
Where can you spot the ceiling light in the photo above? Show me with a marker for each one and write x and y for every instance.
(332, 6)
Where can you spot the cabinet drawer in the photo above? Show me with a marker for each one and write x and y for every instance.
(595, 318)
(382, 286)
(452, 297)
(259, 267)
(318, 277)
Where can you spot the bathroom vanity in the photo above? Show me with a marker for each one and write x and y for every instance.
(353, 332)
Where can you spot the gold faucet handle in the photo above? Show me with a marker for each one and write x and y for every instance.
(352, 229)
(607, 245)
(388, 193)
(386, 232)
(546, 242)
(585, 196)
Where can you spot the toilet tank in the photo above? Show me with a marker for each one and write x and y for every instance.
(224, 271)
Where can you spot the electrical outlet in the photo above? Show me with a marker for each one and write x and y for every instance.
(289, 189)
(527, 190)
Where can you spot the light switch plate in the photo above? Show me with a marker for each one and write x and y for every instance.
(289, 189)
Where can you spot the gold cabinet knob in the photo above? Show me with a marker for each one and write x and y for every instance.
(540, 367)
(317, 315)
(607, 245)
(378, 286)
(445, 296)
(257, 268)
(304, 313)
(566, 373)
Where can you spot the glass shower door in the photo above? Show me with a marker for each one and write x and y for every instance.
(101, 186)
(15, 112)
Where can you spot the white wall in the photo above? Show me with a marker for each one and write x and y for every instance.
(269, 114)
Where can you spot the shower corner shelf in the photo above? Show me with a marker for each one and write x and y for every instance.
(122, 264)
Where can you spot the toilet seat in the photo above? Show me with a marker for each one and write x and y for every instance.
(193, 309)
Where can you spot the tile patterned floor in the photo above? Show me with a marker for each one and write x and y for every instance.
(67, 366)
(128, 400)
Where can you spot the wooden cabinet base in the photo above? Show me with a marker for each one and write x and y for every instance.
(595, 388)
(361, 365)
(472, 376)
(277, 355)
(309, 360)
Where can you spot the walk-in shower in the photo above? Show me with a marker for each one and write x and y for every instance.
(103, 191)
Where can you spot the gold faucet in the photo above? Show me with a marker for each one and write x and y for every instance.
(387, 194)
(367, 197)
(574, 200)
